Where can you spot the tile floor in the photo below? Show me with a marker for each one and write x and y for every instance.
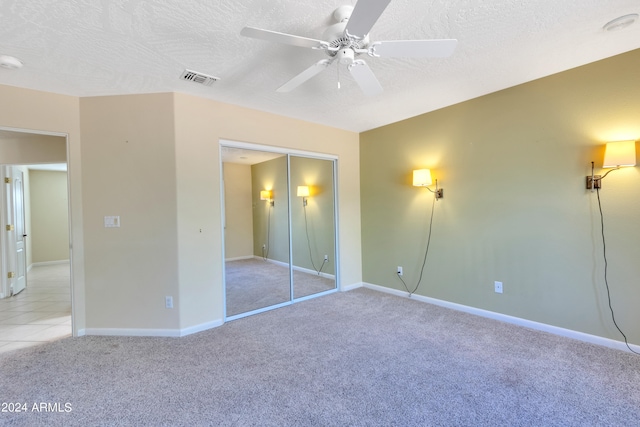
(40, 313)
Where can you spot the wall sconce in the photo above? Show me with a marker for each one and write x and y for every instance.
(616, 155)
(422, 178)
(303, 191)
(266, 195)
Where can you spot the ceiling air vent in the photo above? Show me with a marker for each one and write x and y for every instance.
(203, 79)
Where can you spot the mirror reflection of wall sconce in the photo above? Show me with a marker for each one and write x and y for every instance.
(303, 191)
(266, 195)
(422, 178)
(616, 155)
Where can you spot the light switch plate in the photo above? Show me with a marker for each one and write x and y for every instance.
(112, 221)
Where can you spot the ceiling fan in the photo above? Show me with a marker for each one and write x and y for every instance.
(347, 39)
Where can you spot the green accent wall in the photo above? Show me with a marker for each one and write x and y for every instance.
(515, 208)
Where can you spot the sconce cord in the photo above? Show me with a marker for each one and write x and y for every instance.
(265, 256)
(606, 282)
(426, 252)
(306, 229)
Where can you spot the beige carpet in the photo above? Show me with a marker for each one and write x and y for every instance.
(358, 358)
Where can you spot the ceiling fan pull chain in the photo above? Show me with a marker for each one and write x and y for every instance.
(338, 68)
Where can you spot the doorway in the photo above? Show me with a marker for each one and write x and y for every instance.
(43, 299)
(280, 227)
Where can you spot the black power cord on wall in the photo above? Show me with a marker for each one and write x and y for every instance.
(426, 252)
(265, 248)
(306, 229)
(606, 281)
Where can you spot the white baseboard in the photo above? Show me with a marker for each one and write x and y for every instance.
(239, 258)
(201, 327)
(346, 288)
(43, 263)
(132, 332)
(568, 333)
(296, 268)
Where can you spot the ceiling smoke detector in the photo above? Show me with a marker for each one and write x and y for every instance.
(9, 62)
(200, 78)
(621, 22)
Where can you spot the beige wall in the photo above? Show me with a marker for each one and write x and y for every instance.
(515, 209)
(49, 208)
(238, 232)
(129, 170)
(58, 114)
(34, 149)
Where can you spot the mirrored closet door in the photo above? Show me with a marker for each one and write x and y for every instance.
(280, 228)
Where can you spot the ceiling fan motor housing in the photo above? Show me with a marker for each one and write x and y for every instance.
(342, 13)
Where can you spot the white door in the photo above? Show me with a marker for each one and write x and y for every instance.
(18, 210)
(14, 229)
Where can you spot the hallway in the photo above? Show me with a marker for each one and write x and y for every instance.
(40, 313)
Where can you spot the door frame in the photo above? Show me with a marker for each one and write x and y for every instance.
(74, 329)
(288, 152)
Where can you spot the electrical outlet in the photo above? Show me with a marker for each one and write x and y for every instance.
(326, 257)
(168, 302)
(498, 287)
(399, 270)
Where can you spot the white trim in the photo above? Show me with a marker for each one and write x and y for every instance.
(131, 332)
(34, 131)
(567, 333)
(296, 268)
(39, 264)
(201, 327)
(273, 149)
(313, 272)
(347, 288)
(126, 332)
(240, 258)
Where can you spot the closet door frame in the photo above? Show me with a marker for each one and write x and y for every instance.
(288, 152)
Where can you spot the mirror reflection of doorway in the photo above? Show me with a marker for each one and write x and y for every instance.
(279, 246)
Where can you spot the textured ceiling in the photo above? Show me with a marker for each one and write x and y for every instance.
(105, 47)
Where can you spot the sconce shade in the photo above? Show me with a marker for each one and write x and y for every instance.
(620, 153)
(421, 177)
(265, 195)
(303, 191)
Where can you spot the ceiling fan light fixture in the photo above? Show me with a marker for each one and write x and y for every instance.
(621, 22)
(346, 56)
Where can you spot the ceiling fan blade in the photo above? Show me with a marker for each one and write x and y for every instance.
(414, 48)
(365, 14)
(365, 78)
(274, 36)
(307, 74)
